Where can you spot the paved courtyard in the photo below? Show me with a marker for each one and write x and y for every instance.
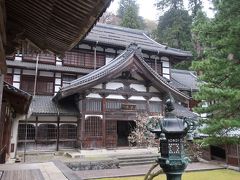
(58, 171)
(137, 171)
(48, 166)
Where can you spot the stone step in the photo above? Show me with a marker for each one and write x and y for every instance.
(137, 156)
(136, 163)
(137, 159)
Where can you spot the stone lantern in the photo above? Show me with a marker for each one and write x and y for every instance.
(171, 131)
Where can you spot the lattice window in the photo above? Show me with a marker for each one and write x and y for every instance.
(22, 132)
(83, 59)
(111, 134)
(93, 126)
(155, 107)
(68, 131)
(89, 60)
(100, 60)
(94, 105)
(140, 105)
(73, 59)
(27, 83)
(48, 58)
(111, 105)
(44, 85)
(159, 68)
(47, 131)
(155, 66)
(111, 128)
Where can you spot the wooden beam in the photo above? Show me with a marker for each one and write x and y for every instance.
(58, 132)
(104, 120)
(123, 92)
(3, 39)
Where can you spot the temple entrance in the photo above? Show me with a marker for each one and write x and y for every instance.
(123, 130)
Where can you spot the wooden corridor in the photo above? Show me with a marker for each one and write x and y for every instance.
(24, 174)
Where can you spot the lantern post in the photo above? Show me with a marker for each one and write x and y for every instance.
(171, 131)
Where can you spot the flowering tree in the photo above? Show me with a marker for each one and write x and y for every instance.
(140, 136)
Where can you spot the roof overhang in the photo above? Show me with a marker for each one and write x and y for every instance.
(18, 99)
(131, 56)
(56, 25)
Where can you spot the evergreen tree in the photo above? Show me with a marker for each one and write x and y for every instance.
(174, 29)
(195, 6)
(123, 4)
(128, 12)
(199, 22)
(221, 73)
(171, 4)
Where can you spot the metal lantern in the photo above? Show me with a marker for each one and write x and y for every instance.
(171, 131)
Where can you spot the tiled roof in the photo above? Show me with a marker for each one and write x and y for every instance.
(119, 63)
(19, 99)
(43, 105)
(184, 80)
(183, 111)
(47, 67)
(121, 36)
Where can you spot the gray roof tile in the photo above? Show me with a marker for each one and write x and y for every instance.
(43, 105)
(47, 67)
(121, 36)
(184, 80)
(183, 111)
(120, 62)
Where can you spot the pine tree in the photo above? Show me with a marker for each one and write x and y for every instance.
(169, 4)
(199, 22)
(128, 12)
(174, 29)
(221, 73)
(195, 6)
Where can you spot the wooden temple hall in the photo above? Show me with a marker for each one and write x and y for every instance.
(89, 96)
(49, 26)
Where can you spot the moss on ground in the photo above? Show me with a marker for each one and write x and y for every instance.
(200, 175)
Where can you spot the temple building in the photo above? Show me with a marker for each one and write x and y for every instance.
(90, 97)
(54, 26)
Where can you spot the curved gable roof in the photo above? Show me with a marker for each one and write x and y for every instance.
(122, 36)
(131, 55)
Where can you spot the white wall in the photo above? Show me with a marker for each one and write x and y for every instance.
(138, 87)
(114, 85)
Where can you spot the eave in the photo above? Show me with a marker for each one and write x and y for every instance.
(56, 26)
(131, 57)
(19, 99)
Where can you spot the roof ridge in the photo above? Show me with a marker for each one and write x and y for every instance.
(182, 70)
(121, 28)
(161, 78)
(111, 66)
(119, 62)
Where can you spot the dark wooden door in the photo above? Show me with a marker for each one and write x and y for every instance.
(111, 134)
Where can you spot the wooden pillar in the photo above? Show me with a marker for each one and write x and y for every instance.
(3, 42)
(36, 131)
(82, 103)
(1, 90)
(104, 119)
(58, 125)
(78, 138)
